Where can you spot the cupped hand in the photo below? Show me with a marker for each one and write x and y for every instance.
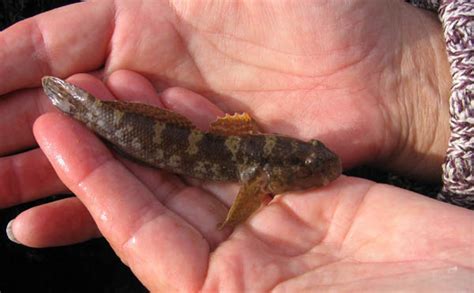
(368, 78)
(351, 235)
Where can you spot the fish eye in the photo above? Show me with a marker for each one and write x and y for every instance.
(309, 161)
(315, 142)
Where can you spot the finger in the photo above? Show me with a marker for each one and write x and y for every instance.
(44, 225)
(199, 208)
(29, 176)
(19, 110)
(149, 238)
(130, 86)
(226, 192)
(26, 177)
(60, 42)
(192, 105)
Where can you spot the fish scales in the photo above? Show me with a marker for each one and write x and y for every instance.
(135, 136)
(232, 150)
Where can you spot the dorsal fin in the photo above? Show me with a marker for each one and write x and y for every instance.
(236, 124)
(159, 114)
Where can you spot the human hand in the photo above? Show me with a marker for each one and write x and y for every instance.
(366, 77)
(353, 234)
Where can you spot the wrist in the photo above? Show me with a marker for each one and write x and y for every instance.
(421, 109)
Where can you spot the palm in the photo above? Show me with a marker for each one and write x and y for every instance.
(336, 239)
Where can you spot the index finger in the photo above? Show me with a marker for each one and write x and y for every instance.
(60, 42)
(155, 242)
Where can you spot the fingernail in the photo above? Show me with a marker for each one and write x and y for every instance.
(10, 232)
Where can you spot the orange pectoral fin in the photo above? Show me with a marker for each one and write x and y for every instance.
(248, 200)
(236, 124)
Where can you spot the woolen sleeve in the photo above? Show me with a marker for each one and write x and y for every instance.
(457, 18)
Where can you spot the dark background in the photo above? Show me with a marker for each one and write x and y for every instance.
(90, 266)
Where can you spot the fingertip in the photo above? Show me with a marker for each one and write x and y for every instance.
(10, 233)
(41, 122)
(91, 84)
(44, 226)
(130, 86)
(44, 123)
(192, 105)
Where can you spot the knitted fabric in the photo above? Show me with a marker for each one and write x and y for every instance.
(457, 17)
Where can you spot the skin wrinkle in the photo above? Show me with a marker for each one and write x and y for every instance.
(254, 235)
(259, 66)
(313, 269)
(9, 147)
(399, 100)
(175, 189)
(185, 43)
(387, 117)
(251, 234)
(216, 198)
(152, 211)
(14, 185)
(18, 179)
(435, 135)
(409, 139)
(39, 107)
(355, 214)
(406, 144)
(185, 192)
(39, 44)
(232, 263)
(284, 205)
(269, 242)
(356, 61)
(218, 36)
(159, 182)
(182, 191)
(397, 62)
(110, 46)
(388, 275)
(240, 90)
(232, 37)
(171, 189)
(354, 280)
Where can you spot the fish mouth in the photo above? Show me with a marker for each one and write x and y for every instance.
(59, 92)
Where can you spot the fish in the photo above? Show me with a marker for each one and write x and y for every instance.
(232, 150)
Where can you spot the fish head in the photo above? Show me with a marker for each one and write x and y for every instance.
(306, 165)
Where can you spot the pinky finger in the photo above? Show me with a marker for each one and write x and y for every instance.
(58, 223)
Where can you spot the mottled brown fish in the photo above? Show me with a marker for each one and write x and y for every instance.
(232, 150)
